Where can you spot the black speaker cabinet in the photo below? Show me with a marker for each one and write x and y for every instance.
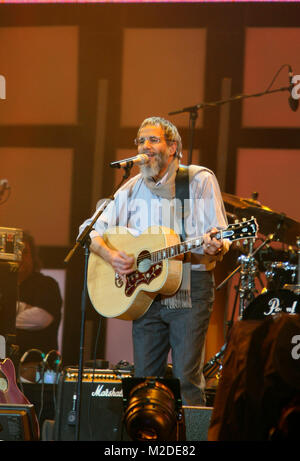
(43, 397)
(101, 415)
(197, 421)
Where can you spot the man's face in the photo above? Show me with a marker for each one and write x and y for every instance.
(160, 153)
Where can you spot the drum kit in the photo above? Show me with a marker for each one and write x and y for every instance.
(278, 264)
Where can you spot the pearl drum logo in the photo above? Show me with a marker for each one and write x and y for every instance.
(275, 307)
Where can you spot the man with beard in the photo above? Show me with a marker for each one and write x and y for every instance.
(177, 322)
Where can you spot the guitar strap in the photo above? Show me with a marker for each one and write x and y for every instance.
(182, 297)
(182, 192)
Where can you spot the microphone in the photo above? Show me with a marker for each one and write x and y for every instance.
(140, 159)
(293, 102)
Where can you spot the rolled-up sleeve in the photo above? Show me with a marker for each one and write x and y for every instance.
(207, 211)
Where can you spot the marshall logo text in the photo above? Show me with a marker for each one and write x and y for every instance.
(103, 391)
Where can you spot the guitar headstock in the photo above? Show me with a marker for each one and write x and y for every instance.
(241, 230)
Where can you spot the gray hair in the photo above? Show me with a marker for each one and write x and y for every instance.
(170, 131)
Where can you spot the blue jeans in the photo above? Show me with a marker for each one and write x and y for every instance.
(183, 331)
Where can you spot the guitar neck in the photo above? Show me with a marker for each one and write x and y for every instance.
(243, 230)
(183, 247)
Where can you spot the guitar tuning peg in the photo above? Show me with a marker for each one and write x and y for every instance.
(236, 221)
(244, 219)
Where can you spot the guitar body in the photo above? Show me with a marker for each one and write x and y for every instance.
(157, 270)
(10, 392)
(130, 299)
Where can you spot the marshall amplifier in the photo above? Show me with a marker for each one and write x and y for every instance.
(101, 414)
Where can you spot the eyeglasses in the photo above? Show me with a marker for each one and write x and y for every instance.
(151, 139)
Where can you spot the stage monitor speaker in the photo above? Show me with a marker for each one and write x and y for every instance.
(101, 414)
(17, 423)
(197, 421)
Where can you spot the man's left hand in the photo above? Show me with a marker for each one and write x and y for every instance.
(211, 245)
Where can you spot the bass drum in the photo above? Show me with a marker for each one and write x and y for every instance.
(272, 303)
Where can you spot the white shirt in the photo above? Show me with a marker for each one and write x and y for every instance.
(137, 207)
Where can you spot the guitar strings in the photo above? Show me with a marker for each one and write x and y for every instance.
(221, 233)
(185, 244)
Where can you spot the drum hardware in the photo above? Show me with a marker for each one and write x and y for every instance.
(248, 271)
(280, 274)
(295, 287)
(276, 227)
(212, 369)
(270, 255)
(280, 296)
(245, 291)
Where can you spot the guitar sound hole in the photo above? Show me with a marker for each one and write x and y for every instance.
(144, 261)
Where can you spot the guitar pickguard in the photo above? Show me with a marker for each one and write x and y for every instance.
(134, 279)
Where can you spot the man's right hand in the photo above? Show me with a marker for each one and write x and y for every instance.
(121, 262)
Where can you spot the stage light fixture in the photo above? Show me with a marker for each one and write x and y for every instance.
(153, 409)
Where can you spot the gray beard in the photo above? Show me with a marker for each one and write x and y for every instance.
(148, 171)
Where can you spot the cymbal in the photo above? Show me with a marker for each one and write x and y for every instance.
(286, 229)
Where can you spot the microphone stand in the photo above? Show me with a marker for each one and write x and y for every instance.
(84, 241)
(193, 111)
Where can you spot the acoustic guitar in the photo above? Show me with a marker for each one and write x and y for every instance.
(11, 394)
(156, 269)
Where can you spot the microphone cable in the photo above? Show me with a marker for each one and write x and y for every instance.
(24, 356)
(57, 364)
(22, 359)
